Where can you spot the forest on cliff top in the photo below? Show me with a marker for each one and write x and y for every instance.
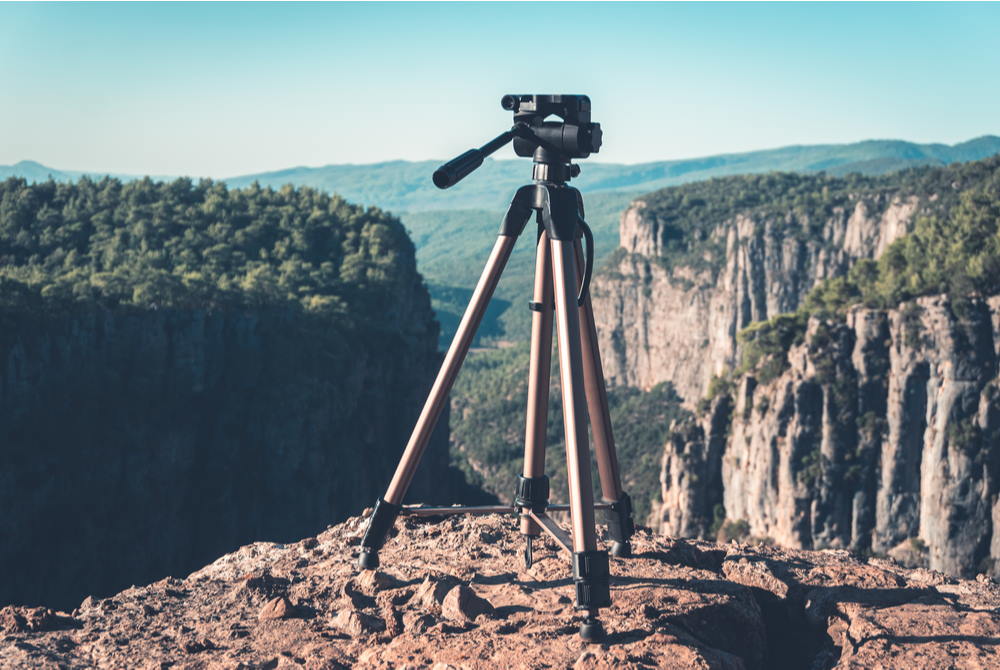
(199, 244)
(187, 367)
(954, 250)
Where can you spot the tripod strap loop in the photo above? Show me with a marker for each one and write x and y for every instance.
(588, 264)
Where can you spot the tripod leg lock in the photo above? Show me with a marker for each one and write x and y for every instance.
(379, 523)
(532, 492)
(591, 575)
(619, 517)
(538, 307)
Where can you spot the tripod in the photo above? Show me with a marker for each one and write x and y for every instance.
(561, 286)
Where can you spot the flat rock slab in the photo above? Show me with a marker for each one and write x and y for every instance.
(448, 598)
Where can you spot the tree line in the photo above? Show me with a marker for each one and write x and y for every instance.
(191, 243)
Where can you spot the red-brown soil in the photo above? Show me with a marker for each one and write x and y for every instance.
(454, 594)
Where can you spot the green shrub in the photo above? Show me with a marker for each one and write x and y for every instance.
(733, 529)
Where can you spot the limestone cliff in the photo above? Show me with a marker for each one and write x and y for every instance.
(137, 443)
(875, 431)
(662, 321)
(882, 434)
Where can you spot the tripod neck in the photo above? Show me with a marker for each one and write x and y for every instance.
(551, 167)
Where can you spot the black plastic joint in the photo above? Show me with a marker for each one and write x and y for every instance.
(591, 575)
(537, 306)
(532, 492)
(619, 517)
(561, 216)
(379, 523)
(520, 211)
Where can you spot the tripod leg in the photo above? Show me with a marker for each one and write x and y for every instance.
(590, 565)
(388, 507)
(533, 486)
(620, 524)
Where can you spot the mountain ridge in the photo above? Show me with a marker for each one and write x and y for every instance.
(406, 186)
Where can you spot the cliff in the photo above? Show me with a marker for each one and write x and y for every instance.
(699, 263)
(138, 444)
(454, 593)
(186, 368)
(881, 435)
(825, 425)
(659, 320)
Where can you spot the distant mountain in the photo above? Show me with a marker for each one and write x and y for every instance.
(406, 186)
(34, 171)
(453, 229)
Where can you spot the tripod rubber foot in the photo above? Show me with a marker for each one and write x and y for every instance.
(368, 560)
(621, 550)
(591, 630)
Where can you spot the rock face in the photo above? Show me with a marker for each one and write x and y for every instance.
(676, 604)
(882, 434)
(657, 322)
(136, 444)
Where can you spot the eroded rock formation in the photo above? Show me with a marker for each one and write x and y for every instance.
(883, 434)
(660, 322)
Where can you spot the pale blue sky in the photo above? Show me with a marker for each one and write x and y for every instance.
(226, 89)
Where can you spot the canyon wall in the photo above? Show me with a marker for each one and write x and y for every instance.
(658, 321)
(140, 443)
(882, 434)
(874, 430)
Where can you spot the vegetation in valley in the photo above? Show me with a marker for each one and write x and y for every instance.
(487, 428)
(452, 247)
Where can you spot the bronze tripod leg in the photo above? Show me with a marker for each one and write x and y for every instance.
(533, 486)
(620, 515)
(387, 508)
(590, 565)
(581, 495)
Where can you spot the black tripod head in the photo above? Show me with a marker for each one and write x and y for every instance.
(552, 144)
(573, 136)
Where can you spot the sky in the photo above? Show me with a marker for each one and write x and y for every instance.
(226, 89)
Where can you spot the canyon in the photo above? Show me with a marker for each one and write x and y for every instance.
(875, 430)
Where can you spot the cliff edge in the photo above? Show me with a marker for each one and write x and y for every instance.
(454, 593)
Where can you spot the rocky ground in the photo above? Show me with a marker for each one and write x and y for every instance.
(454, 593)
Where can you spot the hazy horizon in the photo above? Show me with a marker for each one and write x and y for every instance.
(595, 159)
